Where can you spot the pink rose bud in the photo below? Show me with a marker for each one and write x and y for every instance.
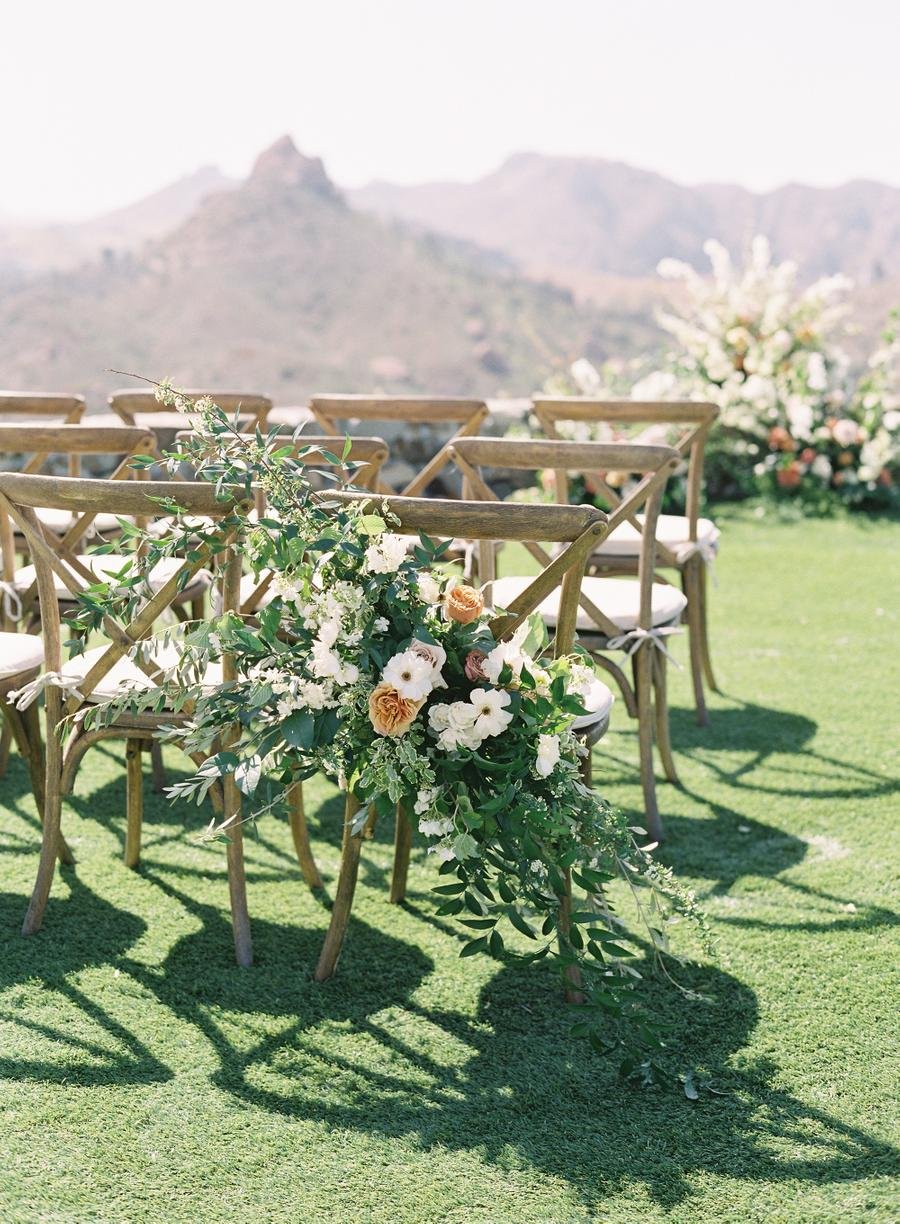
(473, 668)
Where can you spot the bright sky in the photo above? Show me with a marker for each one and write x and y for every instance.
(103, 101)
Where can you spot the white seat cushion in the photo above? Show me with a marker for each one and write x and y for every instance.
(105, 564)
(19, 652)
(59, 521)
(125, 674)
(672, 530)
(585, 721)
(617, 598)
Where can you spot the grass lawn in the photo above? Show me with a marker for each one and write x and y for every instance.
(144, 1077)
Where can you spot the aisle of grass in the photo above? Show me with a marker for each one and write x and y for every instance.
(144, 1077)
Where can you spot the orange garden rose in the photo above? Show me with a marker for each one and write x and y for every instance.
(789, 477)
(463, 604)
(391, 714)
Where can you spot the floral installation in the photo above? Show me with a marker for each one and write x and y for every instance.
(794, 422)
(370, 662)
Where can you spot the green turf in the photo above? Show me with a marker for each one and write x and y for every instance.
(145, 1077)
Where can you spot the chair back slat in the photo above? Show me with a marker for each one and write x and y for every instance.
(253, 407)
(580, 528)
(467, 415)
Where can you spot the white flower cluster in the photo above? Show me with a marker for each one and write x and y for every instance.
(386, 554)
(466, 724)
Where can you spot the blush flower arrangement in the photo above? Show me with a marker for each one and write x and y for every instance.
(369, 662)
(796, 422)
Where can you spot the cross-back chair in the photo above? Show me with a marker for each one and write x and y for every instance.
(467, 415)
(617, 616)
(69, 534)
(72, 687)
(42, 405)
(576, 529)
(685, 543)
(141, 407)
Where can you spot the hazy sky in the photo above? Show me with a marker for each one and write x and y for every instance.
(102, 102)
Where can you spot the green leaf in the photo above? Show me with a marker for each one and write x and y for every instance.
(371, 524)
(299, 729)
(475, 946)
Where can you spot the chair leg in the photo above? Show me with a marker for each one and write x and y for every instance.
(134, 802)
(703, 584)
(300, 834)
(24, 729)
(661, 706)
(351, 845)
(198, 607)
(693, 615)
(402, 847)
(158, 769)
(5, 743)
(571, 973)
(50, 844)
(643, 668)
(237, 877)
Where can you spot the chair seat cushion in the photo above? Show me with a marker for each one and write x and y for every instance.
(617, 598)
(19, 652)
(105, 564)
(604, 699)
(672, 530)
(59, 521)
(127, 675)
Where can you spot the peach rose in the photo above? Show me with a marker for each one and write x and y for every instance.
(473, 665)
(807, 454)
(463, 604)
(780, 439)
(789, 477)
(389, 713)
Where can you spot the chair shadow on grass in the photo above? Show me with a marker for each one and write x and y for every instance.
(360, 1052)
(89, 933)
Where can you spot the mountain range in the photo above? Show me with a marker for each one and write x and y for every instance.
(285, 284)
(279, 285)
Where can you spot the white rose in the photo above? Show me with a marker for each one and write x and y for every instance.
(845, 431)
(429, 588)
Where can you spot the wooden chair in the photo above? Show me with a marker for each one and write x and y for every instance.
(41, 405)
(579, 528)
(72, 687)
(467, 415)
(617, 615)
(68, 534)
(686, 543)
(142, 408)
(134, 406)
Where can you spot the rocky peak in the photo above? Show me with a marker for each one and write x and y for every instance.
(283, 165)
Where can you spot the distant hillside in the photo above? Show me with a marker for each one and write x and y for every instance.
(579, 220)
(279, 285)
(29, 249)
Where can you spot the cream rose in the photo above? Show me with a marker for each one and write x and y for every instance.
(391, 714)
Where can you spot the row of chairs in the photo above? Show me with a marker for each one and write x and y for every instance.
(609, 621)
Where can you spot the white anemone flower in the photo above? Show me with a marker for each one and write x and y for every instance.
(491, 716)
(410, 674)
